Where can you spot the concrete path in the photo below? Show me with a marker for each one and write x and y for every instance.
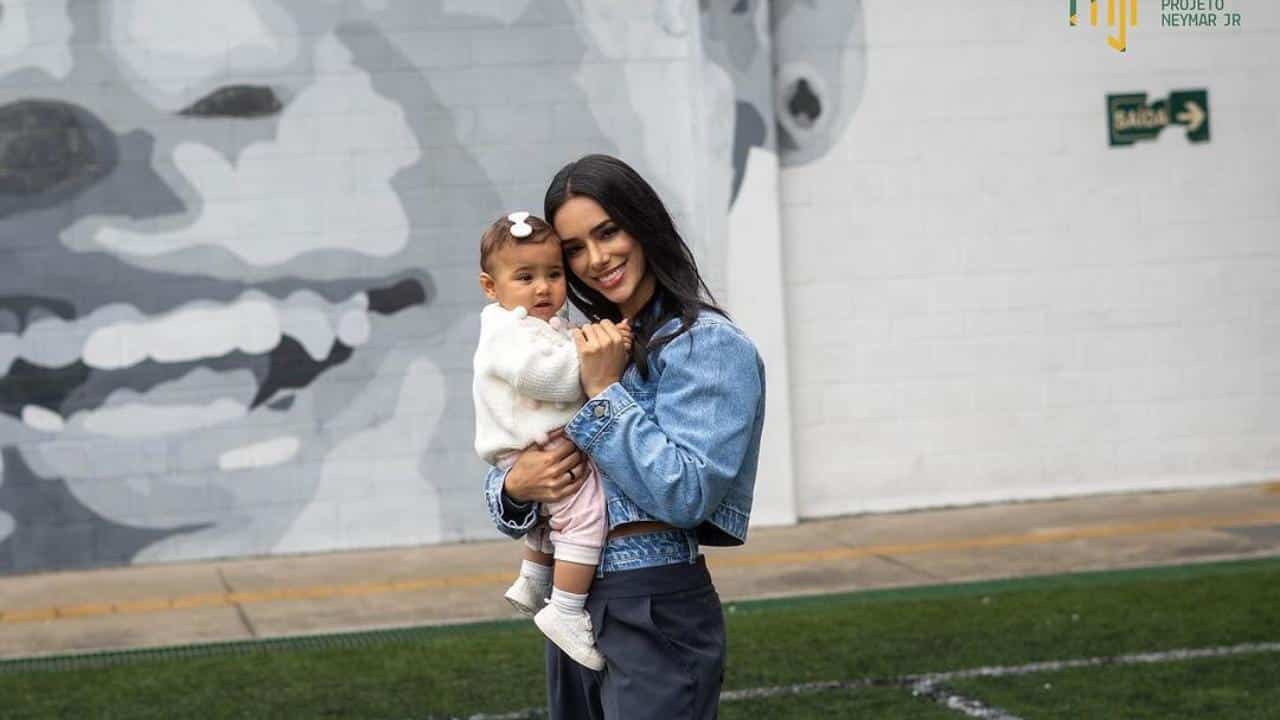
(269, 597)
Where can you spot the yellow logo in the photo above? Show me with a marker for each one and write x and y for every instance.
(1128, 17)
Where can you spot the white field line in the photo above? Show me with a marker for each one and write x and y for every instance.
(952, 700)
(1131, 659)
(933, 684)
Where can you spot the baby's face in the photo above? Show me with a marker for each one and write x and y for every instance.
(530, 275)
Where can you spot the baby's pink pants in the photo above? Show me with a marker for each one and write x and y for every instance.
(576, 527)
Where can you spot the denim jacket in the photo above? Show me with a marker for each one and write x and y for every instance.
(680, 447)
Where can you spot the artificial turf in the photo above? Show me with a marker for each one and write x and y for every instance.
(496, 667)
(876, 702)
(1240, 688)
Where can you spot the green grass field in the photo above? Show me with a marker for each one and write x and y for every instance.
(875, 636)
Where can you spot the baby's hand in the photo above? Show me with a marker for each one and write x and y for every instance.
(624, 328)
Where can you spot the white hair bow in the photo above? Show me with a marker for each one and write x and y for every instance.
(520, 228)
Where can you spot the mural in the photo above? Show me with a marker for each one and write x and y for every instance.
(237, 265)
(820, 65)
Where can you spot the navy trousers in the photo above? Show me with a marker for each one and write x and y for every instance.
(661, 630)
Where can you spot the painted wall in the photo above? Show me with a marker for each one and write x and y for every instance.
(237, 266)
(987, 302)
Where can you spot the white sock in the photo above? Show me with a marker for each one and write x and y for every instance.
(540, 574)
(567, 602)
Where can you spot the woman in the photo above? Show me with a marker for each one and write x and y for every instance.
(674, 428)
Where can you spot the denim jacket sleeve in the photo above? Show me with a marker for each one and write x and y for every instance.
(511, 518)
(678, 465)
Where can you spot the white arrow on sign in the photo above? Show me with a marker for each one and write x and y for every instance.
(1193, 116)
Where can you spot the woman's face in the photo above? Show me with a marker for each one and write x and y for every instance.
(603, 255)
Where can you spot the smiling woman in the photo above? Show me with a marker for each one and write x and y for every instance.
(603, 256)
(675, 436)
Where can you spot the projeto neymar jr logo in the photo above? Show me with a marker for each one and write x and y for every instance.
(1121, 14)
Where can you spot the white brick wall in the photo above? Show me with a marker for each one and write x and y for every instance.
(987, 302)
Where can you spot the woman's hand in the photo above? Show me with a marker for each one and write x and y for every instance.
(604, 349)
(549, 473)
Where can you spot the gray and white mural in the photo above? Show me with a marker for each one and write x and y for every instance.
(237, 241)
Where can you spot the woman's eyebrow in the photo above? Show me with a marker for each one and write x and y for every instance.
(593, 231)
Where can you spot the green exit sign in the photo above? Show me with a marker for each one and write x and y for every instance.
(1130, 118)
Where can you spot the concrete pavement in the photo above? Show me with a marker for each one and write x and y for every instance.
(158, 605)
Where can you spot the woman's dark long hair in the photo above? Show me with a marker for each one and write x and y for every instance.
(632, 203)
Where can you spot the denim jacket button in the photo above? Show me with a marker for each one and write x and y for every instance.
(601, 409)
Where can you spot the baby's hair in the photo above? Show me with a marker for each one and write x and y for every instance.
(498, 235)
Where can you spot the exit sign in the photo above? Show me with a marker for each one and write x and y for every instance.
(1130, 118)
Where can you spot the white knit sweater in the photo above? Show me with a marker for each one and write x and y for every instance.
(526, 380)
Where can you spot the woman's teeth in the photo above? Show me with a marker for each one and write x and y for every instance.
(613, 278)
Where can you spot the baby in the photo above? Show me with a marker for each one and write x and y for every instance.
(526, 387)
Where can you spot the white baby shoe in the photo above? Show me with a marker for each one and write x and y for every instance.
(527, 596)
(571, 632)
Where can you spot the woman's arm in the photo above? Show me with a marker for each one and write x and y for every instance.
(540, 474)
(512, 519)
(678, 465)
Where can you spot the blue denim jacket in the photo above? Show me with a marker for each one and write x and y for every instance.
(680, 447)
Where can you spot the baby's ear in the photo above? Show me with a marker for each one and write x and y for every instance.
(487, 285)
